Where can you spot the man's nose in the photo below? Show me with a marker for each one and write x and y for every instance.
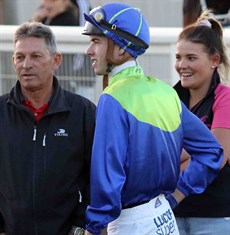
(27, 63)
(89, 50)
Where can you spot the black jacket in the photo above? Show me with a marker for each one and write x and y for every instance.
(66, 18)
(44, 166)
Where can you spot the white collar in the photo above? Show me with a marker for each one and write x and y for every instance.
(118, 68)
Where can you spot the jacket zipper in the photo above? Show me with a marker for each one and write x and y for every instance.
(35, 133)
(80, 196)
(44, 141)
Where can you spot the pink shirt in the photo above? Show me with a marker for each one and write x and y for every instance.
(221, 107)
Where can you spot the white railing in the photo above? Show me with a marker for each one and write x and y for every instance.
(158, 61)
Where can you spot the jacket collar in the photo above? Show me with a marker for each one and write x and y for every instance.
(118, 68)
(58, 101)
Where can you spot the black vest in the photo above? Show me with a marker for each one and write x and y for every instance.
(215, 200)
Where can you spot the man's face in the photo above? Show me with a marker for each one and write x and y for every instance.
(34, 64)
(97, 51)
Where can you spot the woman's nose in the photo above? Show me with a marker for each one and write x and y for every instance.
(183, 63)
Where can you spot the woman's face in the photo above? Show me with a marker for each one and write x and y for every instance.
(54, 7)
(194, 65)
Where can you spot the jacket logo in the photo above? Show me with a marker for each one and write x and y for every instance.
(61, 132)
(157, 203)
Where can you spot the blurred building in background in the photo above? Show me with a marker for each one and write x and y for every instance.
(160, 13)
(165, 18)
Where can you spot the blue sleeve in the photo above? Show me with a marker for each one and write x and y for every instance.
(107, 174)
(205, 151)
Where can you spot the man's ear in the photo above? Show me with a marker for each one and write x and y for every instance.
(57, 60)
(121, 51)
(116, 55)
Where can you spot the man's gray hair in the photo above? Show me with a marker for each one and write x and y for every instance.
(37, 30)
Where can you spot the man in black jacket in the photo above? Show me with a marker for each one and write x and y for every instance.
(46, 138)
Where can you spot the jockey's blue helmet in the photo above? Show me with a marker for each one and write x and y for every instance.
(123, 24)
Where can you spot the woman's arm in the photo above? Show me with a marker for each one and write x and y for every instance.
(223, 136)
(184, 160)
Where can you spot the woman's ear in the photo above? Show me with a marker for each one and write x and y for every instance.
(216, 60)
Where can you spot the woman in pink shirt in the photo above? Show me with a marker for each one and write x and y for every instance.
(201, 60)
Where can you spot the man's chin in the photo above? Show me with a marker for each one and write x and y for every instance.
(29, 86)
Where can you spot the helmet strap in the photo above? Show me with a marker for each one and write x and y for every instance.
(112, 62)
(109, 68)
(105, 81)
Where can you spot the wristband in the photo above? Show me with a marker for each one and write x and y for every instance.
(77, 230)
(172, 201)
